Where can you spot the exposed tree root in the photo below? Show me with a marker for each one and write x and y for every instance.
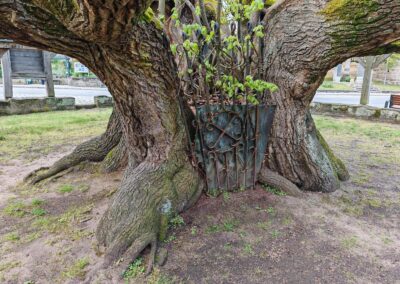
(117, 158)
(266, 176)
(94, 150)
(138, 215)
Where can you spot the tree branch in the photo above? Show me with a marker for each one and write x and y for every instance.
(193, 10)
(93, 20)
(393, 47)
(320, 36)
(379, 59)
(32, 26)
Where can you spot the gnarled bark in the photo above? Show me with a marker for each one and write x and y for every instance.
(164, 183)
(303, 40)
(117, 158)
(139, 70)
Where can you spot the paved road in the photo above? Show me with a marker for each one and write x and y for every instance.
(376, 100)
(85, 95)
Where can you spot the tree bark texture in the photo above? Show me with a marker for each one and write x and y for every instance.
(304, 39)
(137, 66)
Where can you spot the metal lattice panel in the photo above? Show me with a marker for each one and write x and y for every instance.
(230, 144)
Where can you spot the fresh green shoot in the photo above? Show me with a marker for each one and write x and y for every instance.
(194, 231)
(271, 211)
(170, 239)
(229, 226)
(275, 233)
(248, 248)
(176, 222)
(226, 196)
(134, 269)
(274, 190)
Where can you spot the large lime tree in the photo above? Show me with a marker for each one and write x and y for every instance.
(120, 43)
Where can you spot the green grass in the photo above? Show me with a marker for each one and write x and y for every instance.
(40, 133)
(212, 229)
(37, 202)
(65, 224)
(349, 242)
(264, 225)
(194, 230)
(176, 222)
(38, 212)
(358, 128)
(12, 237)
(389, 88)
(331, 86)
(226, 226)
(328, 85)
(248, 249)
(274, 190)
(15, 209)
(77, 269)
(275, 234)
(65, 188)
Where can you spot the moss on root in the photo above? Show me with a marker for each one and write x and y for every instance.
(338, 165)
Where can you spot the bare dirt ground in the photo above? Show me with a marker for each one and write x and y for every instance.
(260, 236)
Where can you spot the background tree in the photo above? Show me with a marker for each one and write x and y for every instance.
(369, 63)
(391, 63)
(119, 43)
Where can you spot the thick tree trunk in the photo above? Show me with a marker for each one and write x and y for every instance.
(159, 180)
(133, 59)
(303, 40)
(295, 151)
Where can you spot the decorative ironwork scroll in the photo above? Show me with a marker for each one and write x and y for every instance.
(230, 144)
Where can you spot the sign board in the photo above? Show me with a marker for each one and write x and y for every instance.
(27, 63)
(24, 62)
(80, 68)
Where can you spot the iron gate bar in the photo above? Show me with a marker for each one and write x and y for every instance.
(230, 144)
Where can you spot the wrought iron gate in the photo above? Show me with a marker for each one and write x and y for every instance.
(230, 144)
